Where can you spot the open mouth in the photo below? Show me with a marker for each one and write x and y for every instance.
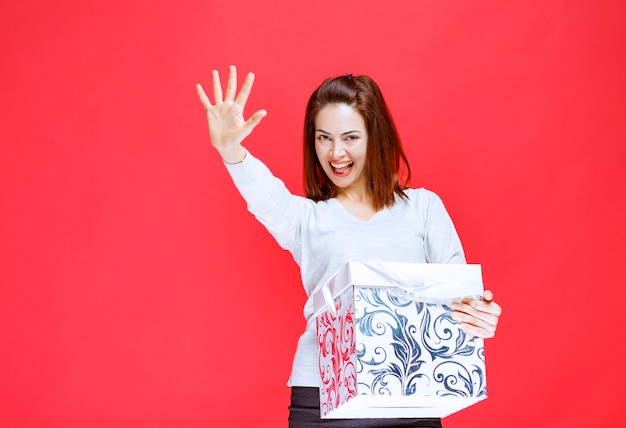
(341, 168)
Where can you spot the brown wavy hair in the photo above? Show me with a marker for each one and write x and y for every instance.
(387, 170)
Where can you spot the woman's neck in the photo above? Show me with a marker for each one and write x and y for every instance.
(358, 203)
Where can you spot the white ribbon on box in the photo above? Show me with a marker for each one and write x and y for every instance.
(438, 284)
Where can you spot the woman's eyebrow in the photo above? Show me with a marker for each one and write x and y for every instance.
(344, 133)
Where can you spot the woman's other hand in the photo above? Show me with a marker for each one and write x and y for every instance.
(478, 317)
(227, 126)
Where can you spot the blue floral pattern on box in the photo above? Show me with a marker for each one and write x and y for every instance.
(382, 341)
(408, 347)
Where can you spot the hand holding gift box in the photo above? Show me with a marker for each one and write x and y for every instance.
(477, 316)
(391, 346)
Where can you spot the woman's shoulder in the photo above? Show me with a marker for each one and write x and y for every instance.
(424, 201)
(421, 194)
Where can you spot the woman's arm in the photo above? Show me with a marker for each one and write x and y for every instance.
(266, 196)
(477, 317)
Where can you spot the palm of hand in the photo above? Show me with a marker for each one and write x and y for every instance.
(226, 124)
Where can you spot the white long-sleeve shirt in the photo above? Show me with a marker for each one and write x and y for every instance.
(324, 236)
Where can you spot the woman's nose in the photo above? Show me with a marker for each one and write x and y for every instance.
(338, 150)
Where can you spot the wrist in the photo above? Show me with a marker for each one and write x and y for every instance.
(234, 157)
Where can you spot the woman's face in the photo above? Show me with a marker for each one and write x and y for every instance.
(341, 146)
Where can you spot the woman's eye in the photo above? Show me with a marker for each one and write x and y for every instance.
(323, 138)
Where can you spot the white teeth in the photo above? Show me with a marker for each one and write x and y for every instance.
(340, 165)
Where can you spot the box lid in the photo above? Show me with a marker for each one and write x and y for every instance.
(429, 282)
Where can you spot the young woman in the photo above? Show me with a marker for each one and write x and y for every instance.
(357, 207)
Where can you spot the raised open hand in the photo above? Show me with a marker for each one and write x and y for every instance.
(227, 126)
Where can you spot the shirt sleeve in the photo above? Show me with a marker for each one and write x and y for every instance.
(442, 243)
(269, 200)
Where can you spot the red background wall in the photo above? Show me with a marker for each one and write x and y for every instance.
(136, 291)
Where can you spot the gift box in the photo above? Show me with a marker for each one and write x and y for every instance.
(388, 346)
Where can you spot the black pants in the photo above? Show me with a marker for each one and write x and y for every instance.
(304, 412)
